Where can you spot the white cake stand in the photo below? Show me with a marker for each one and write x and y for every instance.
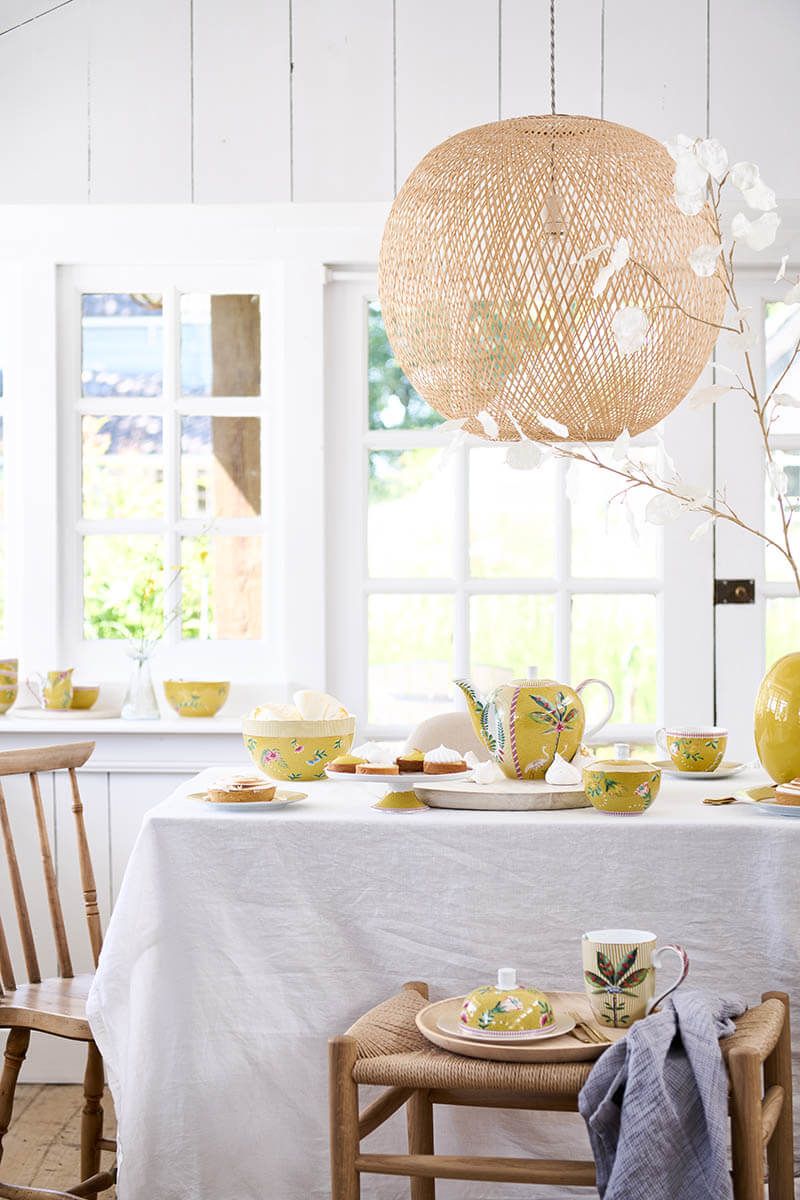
(399, 795)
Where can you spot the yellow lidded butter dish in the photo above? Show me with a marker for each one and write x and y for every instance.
(506, 1008)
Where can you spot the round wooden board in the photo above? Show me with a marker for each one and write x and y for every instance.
(509, 795)
(557, 1049)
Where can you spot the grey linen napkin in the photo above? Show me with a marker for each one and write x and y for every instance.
(656, 1104)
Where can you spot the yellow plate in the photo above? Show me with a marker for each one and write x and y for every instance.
(281, 799)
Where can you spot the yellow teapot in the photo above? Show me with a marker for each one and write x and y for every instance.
(526, 722)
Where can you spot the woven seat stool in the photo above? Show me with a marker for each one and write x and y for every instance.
(385, 1048)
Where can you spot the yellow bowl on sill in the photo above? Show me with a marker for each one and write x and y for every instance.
(297, 750)
(191, 698)
(84, 695)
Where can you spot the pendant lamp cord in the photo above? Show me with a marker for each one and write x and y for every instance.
(553, 57)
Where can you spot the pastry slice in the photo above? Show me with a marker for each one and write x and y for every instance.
(788, 793)
(410, 760)
(443, 761)
(367, 768)
(247, 790)
(346, 763)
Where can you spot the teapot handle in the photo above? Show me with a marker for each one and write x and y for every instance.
(587, 733)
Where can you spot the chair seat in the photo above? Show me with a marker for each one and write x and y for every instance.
(55, 1006)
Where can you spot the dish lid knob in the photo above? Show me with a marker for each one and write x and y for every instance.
(622, 750)
(507, 977)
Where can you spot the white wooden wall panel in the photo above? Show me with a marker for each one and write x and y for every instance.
(140, 70)
(343, 99)
(755, 49)
(241, 101)
(447, 72)
(17, 12)
(657, 84)
(525, 66)
(43, 109)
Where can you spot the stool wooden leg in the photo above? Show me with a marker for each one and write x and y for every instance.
(419, 1111)
(780, 1149)
(92, 1114)
(343, 1107)
(744, 1069)
(16, 1049)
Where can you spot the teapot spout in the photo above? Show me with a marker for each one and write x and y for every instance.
(476, 708)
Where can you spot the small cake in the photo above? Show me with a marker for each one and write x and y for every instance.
(247, 789)
(410, 760)
(506, 1008)
(788, 793)
(443, 761)
(346, 763)
(368, 768)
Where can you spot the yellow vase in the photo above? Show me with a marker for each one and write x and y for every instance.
(777, 719)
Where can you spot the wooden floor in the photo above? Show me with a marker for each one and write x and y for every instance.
(42, 1145)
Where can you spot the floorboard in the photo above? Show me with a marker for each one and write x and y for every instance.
(42, 1146)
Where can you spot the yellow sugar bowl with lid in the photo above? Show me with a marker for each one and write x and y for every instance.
(622, 785)
(506, 1008)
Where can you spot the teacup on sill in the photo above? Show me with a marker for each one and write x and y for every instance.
(84, 695)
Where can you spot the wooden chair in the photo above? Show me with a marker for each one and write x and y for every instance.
(385, 1048)
(58, 1005)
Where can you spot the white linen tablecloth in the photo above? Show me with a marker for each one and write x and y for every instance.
(241, 941)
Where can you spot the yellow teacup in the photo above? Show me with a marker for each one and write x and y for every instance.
(694, 748)
(8, 682)
(84, 695)
(53, 690)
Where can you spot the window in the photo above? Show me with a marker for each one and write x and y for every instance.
(163, 390)
(466, 566)
(782, 618)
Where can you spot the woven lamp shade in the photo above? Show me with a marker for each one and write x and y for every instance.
(487, 306)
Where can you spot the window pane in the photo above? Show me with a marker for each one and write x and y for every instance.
(123, 580)
(221, 587)
(220, 345)
(220, 466)
(509, 634)
(410, 514)
(775, 565)
(122, 344)
(410, 658)
(2, 472)
(512, 518)
(3, 584)
(123, 467)
(783, 627)
(781, 334)
(393, 403)
(614, 638)
(604, 544)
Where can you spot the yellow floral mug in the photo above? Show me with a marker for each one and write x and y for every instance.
(619, 972)
(694, 748)
(8, 682)
(53, 690)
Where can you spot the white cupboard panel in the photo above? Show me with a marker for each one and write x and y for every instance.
(140, 101)
(447, 72)
(525, 66)
(755, 49)
(241, 101)
(131, 797)
(655, 66)
(44, 139)
(343, 118)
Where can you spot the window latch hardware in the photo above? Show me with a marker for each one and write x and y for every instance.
(734, 591)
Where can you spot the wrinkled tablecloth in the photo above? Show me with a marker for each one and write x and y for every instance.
(241, 940)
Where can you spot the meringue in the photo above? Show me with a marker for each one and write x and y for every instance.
(561, 772)
(376, 753)
(483, 771)
(443, 754)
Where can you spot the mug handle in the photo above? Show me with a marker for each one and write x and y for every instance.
(587, 733)
(35, 685)
(661, 740)
(673, 948)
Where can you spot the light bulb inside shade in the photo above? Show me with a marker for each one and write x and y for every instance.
(553, 215)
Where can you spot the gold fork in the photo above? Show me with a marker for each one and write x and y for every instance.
(594, 1035)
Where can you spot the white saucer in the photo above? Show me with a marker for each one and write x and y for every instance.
(282, 799)
(759, 797)
(723, 771)
(400, 783)
(450, 1024)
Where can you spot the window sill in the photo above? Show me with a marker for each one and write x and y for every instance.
(88, 724)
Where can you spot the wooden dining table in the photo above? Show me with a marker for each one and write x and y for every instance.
(241, 940)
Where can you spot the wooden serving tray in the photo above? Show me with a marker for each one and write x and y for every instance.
(566, 1048)
(508, 795)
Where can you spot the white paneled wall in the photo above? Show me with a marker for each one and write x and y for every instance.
(326, 100)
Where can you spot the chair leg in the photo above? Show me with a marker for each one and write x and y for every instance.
(343, 1108)
(92, 1114)
(16, 1049)
(780, 1149)
(744, 1069)
(420, 1141)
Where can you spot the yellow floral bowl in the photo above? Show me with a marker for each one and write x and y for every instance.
(621, 786)
(84, 695)
(191, 698)
(297, 750)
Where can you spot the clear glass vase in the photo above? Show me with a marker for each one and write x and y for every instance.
(140, 703)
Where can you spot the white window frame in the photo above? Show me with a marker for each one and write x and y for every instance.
(682, 587)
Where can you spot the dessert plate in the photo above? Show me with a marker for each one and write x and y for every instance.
(448, 1021)
(763, 798)
(723, 771)
(403, 782)
(283, 799)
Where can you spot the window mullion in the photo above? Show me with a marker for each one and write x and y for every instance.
(563, 613)
(172, 459)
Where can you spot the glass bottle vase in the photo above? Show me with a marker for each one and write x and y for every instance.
(140, 703)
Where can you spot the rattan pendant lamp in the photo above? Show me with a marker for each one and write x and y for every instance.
(487, 295)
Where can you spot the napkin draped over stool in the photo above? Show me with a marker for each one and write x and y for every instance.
(656, 1104)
